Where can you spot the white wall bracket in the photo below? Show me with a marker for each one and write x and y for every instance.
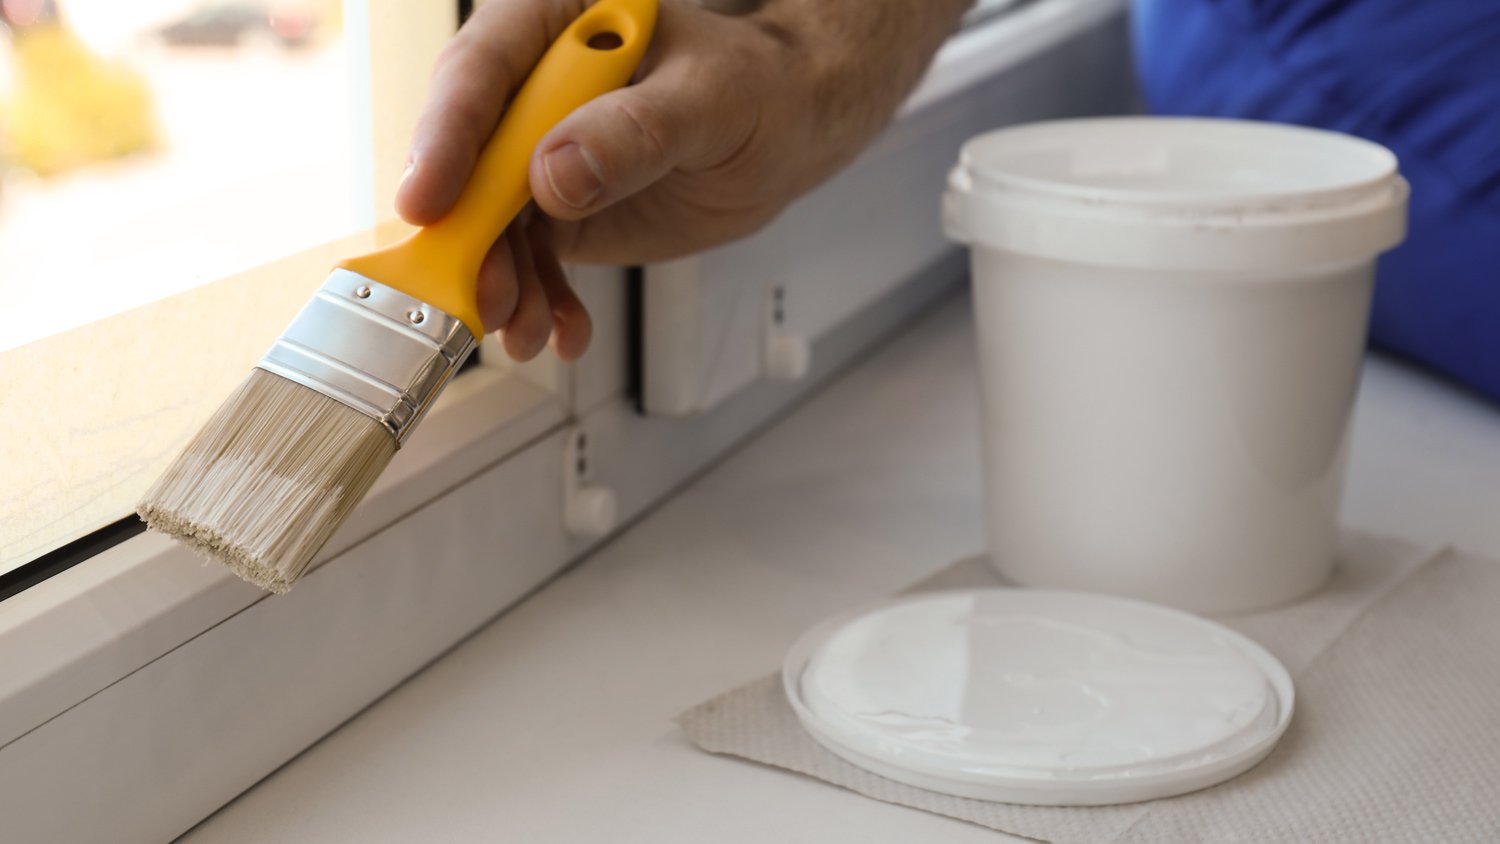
(589, 510)
(785, 355)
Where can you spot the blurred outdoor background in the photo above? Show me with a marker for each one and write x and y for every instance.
(148, 146)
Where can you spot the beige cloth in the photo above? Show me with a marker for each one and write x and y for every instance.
(1395, 737)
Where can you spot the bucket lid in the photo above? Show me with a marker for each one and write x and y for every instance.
(1037, 696)
(1177, 193)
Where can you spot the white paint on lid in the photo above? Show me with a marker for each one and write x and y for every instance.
(1033, 696)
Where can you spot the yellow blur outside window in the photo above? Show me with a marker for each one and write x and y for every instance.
(176, 177)
(152, 145)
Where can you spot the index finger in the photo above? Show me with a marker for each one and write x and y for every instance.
(483, 64)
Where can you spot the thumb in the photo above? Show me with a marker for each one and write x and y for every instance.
(623, 142)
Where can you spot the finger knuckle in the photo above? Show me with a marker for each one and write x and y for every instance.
(649, 123)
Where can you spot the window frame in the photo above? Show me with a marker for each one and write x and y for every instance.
(391, 47)
(159, 594)
(494, 410)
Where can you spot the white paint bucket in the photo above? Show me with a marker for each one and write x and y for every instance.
(1171, 317)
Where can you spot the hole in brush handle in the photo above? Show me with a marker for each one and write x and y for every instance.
(605, 41)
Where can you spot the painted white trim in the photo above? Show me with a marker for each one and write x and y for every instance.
(76, 633)
(158, 750)
(1005, 41)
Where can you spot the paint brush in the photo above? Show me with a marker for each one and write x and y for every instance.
(285, 459)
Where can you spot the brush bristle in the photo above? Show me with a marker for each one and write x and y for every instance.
(269, 478)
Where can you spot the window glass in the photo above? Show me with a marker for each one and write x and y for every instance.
(150, 146)
(176, 178)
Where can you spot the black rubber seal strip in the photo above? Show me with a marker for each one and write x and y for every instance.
(635, 337)
(30, 574)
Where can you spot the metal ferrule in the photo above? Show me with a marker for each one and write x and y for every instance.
(372, 348)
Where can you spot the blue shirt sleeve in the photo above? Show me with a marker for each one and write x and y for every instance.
(1421, 77)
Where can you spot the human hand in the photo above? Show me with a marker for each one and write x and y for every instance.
(731, 118)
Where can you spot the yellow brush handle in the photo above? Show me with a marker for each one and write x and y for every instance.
(439, 264)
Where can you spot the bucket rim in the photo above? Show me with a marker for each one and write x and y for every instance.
(981, 168)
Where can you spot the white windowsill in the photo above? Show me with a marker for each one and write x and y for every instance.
(554, 723)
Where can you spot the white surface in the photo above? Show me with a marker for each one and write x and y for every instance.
(1008, 38)
(590, 512)
(1237, 197)
(788, 357)
(555, 722)
(1161, 424)
(1038, 697)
